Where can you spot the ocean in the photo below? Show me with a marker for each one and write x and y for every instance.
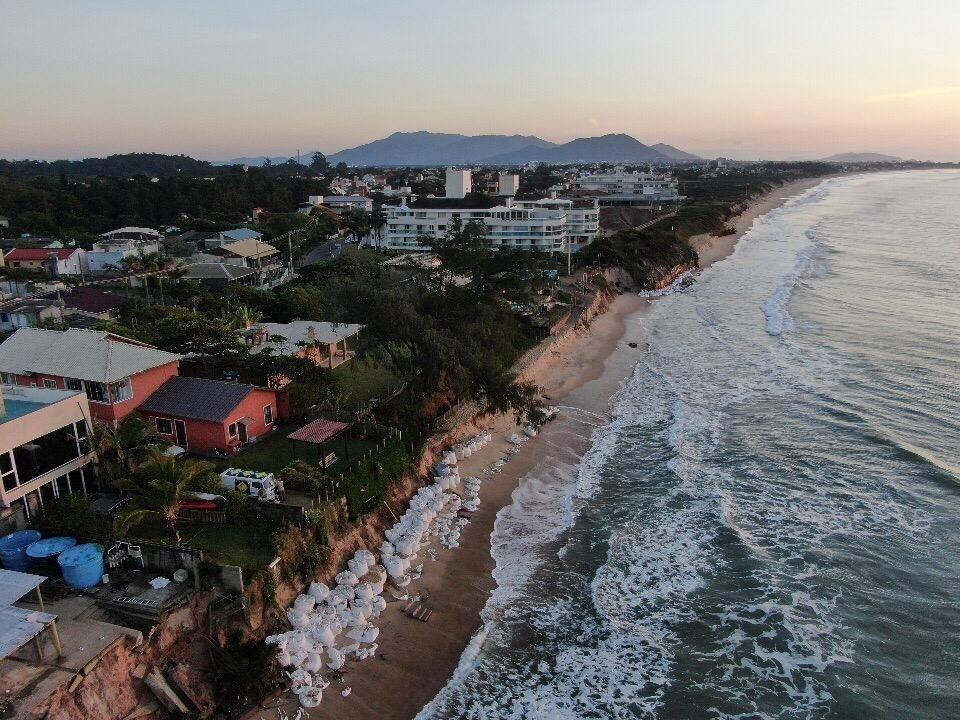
(768, 523)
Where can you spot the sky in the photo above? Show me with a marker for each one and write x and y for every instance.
(735, 78)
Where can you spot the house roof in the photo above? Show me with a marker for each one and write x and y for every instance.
(241, 234)
(90, 355)
(299, 331)
(196, 399)
(249, 248)
(92, 300)
(318, 431)
(217, 271)
(39, 253)
(29, 305)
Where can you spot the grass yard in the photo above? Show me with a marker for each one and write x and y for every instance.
(248, 546)
(276, 452)
(364, 380)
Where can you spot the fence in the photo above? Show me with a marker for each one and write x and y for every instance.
(204, 516)
(278, 512)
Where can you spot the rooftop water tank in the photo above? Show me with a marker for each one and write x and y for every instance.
(43, 554)
(82, 565)
(13, 549)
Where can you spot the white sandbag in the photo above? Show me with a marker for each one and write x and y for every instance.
(334, 658)
(364, 591)
(314, 663)
(358, 566)
(318, 591)
(449, 457)
(311, 698)
(347, 578)
(323, 633)
(304, 604)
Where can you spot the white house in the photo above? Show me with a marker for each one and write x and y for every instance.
(338, 203)
(109, 252)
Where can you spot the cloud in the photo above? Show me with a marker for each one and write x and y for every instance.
(914, 94)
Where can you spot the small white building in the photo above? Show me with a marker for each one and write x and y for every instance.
(109, 252)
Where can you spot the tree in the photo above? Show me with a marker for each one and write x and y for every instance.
(378, 218)
(357, 222)
(122, 449)
(319, 163)
(342, 169)
(162, 484)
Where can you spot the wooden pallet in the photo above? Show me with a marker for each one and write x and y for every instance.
(417, 611)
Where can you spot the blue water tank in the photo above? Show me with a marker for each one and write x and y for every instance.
(13, 549)
(82, 565)
(43, 554)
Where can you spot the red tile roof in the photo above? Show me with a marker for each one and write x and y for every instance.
(318, 431)
(39, 253)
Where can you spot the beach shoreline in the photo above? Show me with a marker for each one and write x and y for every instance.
(415, 660)
(714, 248)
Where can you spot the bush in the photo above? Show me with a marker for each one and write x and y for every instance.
(303, 477)
(366, 487)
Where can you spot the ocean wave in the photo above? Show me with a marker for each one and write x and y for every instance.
(778, 319)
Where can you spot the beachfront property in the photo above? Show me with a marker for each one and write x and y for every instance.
(339, 203)
(213, 417)
(548, 225)
(115, 373)
(53, 261)
(630, 188)
(108, 253)
(44, 447)
(323, 343)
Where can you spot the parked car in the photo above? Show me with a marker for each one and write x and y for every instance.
(253, 483)
(109, 506)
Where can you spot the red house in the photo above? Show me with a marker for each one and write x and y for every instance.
(213, 417)
(116, 373)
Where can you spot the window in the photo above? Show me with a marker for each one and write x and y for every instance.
(164, 426)
(121, 390)
(48, 383)
(7, 473)
(46, 453)
(96, 392)
(8, 379)
(73, 384)
(268, 415)
(232, 430)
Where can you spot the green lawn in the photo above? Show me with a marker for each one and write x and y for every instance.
(362, 380)
(276, 452)
(248, 546)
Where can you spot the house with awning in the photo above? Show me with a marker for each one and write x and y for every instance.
(325, 344)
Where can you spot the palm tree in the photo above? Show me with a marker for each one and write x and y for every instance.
(246, 317)
(122, 449)
(163, 483)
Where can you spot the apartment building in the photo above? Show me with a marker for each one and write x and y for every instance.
(108, 252)
(630, 188)
(45, 451)
(549, 225)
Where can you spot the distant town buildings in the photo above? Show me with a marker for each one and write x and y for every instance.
(458, 183)
(339, 203)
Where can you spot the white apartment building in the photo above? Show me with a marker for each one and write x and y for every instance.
(508, 184)
(459, 182)
(622, 188)
(548, 225)
(342, 202)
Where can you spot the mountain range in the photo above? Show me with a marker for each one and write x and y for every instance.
(428, 148)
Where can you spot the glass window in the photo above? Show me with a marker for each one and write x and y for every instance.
(46, 453)
(122, 390)
(73, 384)
(232, 429)
(48, 383)
(268, 415)
(96, 392)
(7, 472)
(164, 426)
(8, 378)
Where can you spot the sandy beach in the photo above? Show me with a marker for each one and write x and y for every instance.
(713, 248)
(416, 659)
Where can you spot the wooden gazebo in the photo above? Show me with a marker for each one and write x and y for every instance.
(319, 433)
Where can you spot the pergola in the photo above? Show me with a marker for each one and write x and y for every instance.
(319, 432)
(19, 626)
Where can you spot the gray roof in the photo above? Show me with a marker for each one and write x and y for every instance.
(196, 399)
(298, 331)
(217, 271)
(81, 354)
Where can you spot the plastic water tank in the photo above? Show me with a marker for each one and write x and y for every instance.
(13, 549)
(82, 565)
(43, 554)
